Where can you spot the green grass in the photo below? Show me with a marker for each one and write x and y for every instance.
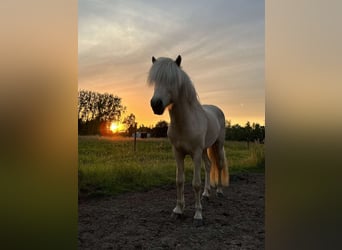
(110, 166)
(243, 159)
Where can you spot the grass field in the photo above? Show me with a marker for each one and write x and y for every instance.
(109, 166)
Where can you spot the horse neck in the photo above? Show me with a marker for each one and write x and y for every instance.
(183, 111)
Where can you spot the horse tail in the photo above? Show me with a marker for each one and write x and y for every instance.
(214, 157)
(225, 171)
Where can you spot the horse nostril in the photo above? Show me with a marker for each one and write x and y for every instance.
(157, 106)
(159, 103)
(156, 103)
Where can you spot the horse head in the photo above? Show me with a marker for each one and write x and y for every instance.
(165, 76)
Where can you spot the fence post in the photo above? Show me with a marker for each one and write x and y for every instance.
(135, 136)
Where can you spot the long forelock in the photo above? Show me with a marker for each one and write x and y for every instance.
(165, 72)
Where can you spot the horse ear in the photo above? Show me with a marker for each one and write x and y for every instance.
(153, 59)
(178, 60)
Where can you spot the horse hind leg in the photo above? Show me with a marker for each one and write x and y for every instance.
(207, 163)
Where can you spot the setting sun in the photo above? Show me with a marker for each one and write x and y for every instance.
(116, 127)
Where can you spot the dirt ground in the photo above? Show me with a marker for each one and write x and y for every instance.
(143, 220)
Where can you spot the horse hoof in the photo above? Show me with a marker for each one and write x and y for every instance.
(220, 195)
(177, 216)
(205, 198)
(198, 222)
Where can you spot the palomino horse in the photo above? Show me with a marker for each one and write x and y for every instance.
(196, 130)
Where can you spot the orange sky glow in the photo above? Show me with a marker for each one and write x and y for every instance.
(221, 44)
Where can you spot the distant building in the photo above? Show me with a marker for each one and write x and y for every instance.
(142, 135)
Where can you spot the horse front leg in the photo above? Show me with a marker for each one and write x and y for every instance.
(180, 204)
(196, 184)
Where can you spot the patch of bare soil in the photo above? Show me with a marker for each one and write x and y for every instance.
(143, 220)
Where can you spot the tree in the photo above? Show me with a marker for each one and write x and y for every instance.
(247, 133)
(96, 110)
(96, 106)
(258, 133)
(143, 128)
(160, 130)
(130, 123)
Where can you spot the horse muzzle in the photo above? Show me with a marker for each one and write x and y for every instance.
(157, 106)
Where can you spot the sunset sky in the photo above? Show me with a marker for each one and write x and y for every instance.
(221, 43)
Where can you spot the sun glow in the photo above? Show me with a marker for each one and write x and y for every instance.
(116, 127)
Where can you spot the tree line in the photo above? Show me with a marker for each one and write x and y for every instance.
(249, 132)
(96, 111)
(252, 133)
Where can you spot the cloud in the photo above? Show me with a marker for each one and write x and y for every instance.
(221, 42)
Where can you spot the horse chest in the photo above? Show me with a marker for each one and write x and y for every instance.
(185, 142)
